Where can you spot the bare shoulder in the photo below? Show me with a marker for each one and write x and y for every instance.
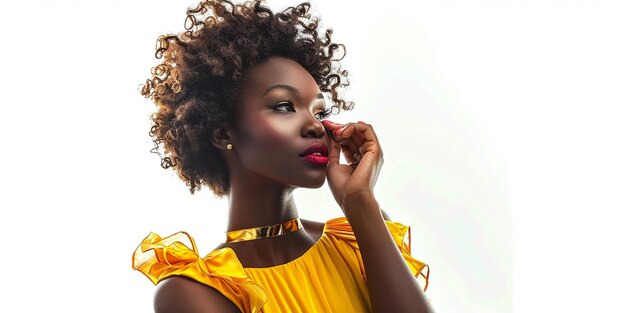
(318, 227)
(183, 295)
(314, 228)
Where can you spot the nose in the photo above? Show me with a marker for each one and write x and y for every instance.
(313, 128)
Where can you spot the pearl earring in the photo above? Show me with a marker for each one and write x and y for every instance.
(229, 146)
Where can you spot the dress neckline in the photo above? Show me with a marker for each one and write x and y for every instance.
(307, 252)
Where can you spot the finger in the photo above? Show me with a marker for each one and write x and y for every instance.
(350, 157)
(338, 145)
(369, 163)
(333, 154)
(350, 131)
(332, 126)
(365, 129)
(350, 149)
(370, 140)
(350, 143)
(353, 158)
(368, 132)
(356, 138)
(364, 169)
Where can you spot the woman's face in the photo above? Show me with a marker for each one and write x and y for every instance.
(277, 120)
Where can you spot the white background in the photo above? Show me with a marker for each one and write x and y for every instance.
(501, 122)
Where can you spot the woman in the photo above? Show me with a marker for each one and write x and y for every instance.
(241, 109)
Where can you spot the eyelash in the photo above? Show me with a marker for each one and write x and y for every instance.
(323, 114)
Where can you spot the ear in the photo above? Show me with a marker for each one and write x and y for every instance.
(220, 137)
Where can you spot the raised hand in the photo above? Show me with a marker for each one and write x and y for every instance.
(362, 151)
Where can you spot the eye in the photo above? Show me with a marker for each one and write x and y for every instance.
(324, 114)
(284, 104)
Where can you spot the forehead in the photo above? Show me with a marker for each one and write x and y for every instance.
(279, 70)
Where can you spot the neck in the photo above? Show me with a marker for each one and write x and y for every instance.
(254, 204)
(256, 201)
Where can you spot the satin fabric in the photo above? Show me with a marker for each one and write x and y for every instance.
(329, 277)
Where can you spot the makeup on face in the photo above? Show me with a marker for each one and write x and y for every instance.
(321, 105)
(317, 154)
(282, 135)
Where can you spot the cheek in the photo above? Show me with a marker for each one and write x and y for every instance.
(267, 138)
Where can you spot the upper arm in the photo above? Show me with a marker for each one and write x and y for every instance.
(182, 295)
(385, 215)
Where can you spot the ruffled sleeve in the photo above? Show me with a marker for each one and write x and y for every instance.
(340, 228)
(159, 258)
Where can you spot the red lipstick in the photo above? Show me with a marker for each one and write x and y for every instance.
(317, 154)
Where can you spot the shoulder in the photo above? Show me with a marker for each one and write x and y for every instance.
(183, 295)
(313, 227)
(318, 227)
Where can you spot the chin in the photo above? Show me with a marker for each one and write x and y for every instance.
(313, 183)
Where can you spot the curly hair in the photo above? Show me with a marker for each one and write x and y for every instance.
(196, 86)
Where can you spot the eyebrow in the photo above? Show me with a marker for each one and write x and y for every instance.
(290, 89)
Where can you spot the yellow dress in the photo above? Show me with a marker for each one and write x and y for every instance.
(329, 277)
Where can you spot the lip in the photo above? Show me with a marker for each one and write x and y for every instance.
(316, 159)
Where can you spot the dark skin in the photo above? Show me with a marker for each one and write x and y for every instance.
(265, 167)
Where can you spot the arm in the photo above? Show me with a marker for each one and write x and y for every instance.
(181, 295)
(385, 215)
(391, 284)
